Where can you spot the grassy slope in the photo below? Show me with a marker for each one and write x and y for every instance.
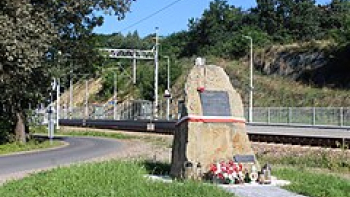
(113, 178)
(79, 91)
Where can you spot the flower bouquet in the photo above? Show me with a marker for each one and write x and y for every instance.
(227, 172)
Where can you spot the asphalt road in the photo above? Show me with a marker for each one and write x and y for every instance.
(79, 149)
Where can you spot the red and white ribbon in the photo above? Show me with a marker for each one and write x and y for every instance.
(211, 119)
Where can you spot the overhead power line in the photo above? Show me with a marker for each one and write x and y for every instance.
(151, 15)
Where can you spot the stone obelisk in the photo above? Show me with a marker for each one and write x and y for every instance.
(212, 124)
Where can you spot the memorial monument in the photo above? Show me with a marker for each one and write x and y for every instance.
(212, 125)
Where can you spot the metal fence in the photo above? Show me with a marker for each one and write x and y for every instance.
(142, 109)
(128, 110)
(308, 116)
(138, 109)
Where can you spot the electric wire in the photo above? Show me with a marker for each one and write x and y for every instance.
(151, 15)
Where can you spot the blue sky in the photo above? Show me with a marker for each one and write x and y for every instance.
(171, 20)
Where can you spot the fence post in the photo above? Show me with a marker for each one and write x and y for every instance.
(289, 115)
(268, 115)
(341, 116)
(313, 116)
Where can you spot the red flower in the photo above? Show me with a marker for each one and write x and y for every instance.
(220, 176)
(240, 167)
(200, 89)
(213, 168)
(231, 163)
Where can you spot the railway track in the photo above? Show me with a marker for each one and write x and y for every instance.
(168, 128)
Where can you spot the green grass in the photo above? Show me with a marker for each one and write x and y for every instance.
(33, 144)
(96, 134)
(158, 141)
(339, 162)
(113, 178)
(313, 184)
(313, 173)
(86, 132)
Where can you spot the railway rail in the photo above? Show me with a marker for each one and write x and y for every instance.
(168, 128)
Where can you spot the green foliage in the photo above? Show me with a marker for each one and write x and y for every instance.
(6, 125)
(289, 18)
(113, 79)
(26, 36)
(145, 69)
(119, 41)
(112, 178)
(313, 184)
(336, 20)
(145, 76)
(41, 40)
(219, 30)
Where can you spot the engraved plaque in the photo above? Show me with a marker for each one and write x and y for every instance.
(215, 103)
(244, 158)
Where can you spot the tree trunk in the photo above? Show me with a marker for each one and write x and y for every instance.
(20, 129)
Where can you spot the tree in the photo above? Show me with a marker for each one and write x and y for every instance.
(32, 33)
(267, 15)
(214, 28)
(26, 35)
(335, 20)
(304, 20)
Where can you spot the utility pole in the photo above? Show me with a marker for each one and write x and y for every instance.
(58, 103)
(168, 92)
(250, 115)
(156, 77)
(86, 99)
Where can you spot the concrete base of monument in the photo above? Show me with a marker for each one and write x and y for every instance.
(274, 182)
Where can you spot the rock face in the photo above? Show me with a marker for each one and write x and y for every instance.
(212, 127)
(292, 62)
(319, 63)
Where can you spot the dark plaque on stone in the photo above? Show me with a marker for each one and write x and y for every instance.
(215, 103)
(244, 158)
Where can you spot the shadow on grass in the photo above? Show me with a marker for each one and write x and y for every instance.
(156, 168)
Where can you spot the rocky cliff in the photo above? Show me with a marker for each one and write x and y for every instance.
(318, 63)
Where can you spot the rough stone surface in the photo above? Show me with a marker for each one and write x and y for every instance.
(206, 143)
